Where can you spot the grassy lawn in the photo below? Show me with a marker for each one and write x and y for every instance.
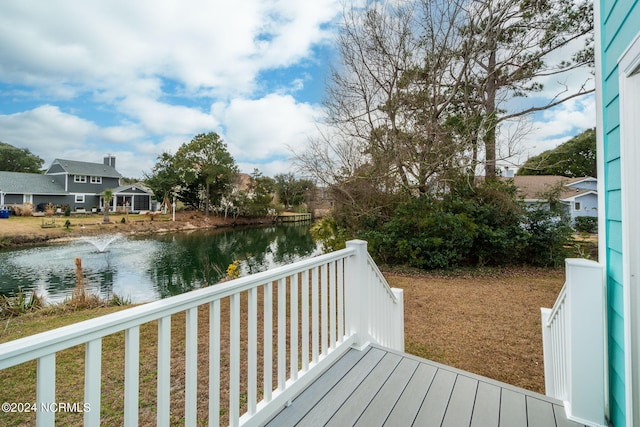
(487, 322)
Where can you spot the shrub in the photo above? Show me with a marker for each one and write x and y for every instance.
(549, 237)
(20, 304)
(423, 234)
(329, 234)
(586, 224)
(466, 226)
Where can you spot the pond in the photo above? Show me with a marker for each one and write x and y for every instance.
(147, 268)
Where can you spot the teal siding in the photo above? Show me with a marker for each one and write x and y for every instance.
(612, 171)
(613, 199)
(618, 28)
(613, 152)
(612, 114)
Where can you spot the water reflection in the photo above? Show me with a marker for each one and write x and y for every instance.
(152, 267)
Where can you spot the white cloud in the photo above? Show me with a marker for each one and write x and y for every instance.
(257, 130)
(161, 118)
(45, 130)
(550, 128)
(202, 44)
(133, 78)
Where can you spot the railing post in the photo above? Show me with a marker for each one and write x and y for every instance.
(585, 294)
(547, 353)
(398, 319)
(357, 295)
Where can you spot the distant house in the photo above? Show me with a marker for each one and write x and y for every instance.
(76, 184)
(579, 196)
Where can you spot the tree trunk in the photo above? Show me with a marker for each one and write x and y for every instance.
(490, 110)
(105, 217)
(206, 200)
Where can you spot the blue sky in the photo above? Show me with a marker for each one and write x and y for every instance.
(82, 79)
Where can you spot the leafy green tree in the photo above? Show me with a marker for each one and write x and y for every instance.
(290, 190)
(256, 200)
(574, 158)
(163, 179)
(206, 164)
(14, 159)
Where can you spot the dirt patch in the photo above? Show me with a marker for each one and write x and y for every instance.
(488, 324)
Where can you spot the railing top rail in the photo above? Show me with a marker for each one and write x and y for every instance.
(556, 306)
(375, 268)
(35, 346)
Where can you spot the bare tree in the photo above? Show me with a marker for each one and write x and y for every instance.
(513, 44)
(389, 98)
(422, 85)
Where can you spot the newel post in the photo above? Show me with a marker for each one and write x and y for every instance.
(357, 295)
(586, 311)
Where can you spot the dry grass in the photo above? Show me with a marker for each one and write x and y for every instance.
(488, 324)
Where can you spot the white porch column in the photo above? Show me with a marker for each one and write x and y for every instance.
(1, 198)
(357, 294)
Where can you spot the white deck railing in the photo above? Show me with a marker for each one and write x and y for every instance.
(573, 343)
(322, 307)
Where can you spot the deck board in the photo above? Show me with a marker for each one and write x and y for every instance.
(333, 400)
(460, 408)
(385, 400)
(405, 410)
(381, 387)
(302, 405)
(539, 413)
(486, 411)
(362, 396)
(513, 409)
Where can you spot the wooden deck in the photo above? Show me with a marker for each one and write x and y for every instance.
(380, 387)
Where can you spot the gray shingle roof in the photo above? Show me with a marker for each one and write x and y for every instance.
(74, 167)
(29, 183)
(532, 187)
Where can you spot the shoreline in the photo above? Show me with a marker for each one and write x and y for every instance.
(17, 232)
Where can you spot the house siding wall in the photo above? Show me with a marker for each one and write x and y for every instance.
(89, 188)
(56, 168)
(56, 200)
(586, 185)
(588, 206)
(618, 28)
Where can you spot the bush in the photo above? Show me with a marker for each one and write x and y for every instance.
(549, 237)
(467, 226)
(497, 212)
(423, 234)
(586, 224)
(329, 234)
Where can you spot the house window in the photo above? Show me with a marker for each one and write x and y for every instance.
(79, 198)
(80, 178)
(28, 198)
(577, 206)
(96, 180)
